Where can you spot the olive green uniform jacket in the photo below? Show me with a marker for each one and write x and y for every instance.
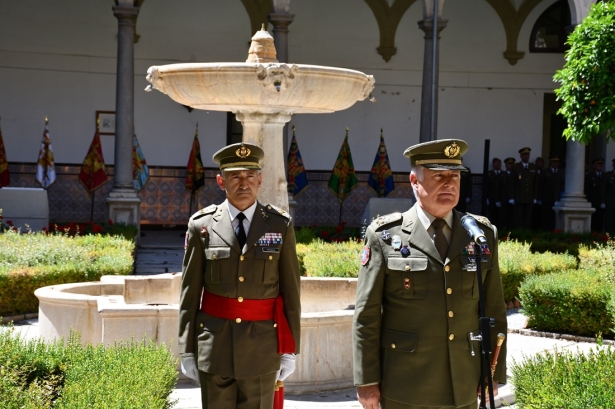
(413, 314)
(213, 261)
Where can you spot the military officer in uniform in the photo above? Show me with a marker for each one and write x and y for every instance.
(524, 190)
(417, 298)
(609, 198)
(594, 191)
(239, 319)
(554, 179)
(496, 196)
(508, 194)
(537, 211)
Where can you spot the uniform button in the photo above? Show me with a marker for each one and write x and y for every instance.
(270, 257)
(451, 314)
(393, 346)
(241, 279)
(447, 268)
(238, 320)
(451, 337)
(449, 290)
(240, 299)
(201, 325)
(213, 257)
(275, 325)
(241, 258)
(407, 268)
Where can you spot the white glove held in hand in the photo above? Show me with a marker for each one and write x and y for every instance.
(287, 366)
(511, 201)
(603, 205)
(188, 367)
(498, 204)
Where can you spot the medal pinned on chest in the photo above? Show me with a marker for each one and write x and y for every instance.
(204, 232)
(365, 255)
(405, 251)
(385, 235)
(396, 242)
(269, 239)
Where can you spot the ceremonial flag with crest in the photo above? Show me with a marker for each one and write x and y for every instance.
(195, 174)
(381, 176)
(93, 174)
(343, 178)
(297, 178)
(45, 170)
(5, 175)
(140, 170)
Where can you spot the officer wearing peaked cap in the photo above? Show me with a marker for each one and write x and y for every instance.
(239, 320)
(524, 189)
(417, 296)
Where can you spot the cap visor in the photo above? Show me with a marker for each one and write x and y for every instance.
(435, 166)
(241, 168)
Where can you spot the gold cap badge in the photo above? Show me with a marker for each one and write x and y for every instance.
(243, 152)
(452, 150)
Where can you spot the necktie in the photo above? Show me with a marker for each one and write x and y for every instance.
(240, 232)
(525, 166)
(439, 239)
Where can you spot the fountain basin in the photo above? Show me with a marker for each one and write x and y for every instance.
(122, 307)
(269, 88)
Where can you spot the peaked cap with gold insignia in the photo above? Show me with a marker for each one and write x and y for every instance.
(443, 154)
(239, 156)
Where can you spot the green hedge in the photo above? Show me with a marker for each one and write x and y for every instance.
(31, 261)
(35, 374)
(566, 380)
(574, 302)
(320, 259)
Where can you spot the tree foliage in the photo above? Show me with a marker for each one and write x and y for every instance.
(588, 77)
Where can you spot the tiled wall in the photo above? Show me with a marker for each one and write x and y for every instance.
(165, 201)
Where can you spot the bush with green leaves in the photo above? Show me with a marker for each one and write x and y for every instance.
(517, 262)
(566, 380)
(35, 374)
(580, 302)
(331, 259)
(34, 260)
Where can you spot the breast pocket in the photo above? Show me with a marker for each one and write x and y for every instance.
(407, 277)
(266, 265)
(217, 258)
(469, 283)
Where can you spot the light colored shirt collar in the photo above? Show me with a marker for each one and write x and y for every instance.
(233, 211)
(426, 218)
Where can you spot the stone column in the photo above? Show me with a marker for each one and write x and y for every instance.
(428, 70)
(266, 130)
(573, 212)
(123, 202)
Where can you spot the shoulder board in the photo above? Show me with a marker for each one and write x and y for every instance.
(208, 210)
(276, 210)
(481, 220)
(386, 219)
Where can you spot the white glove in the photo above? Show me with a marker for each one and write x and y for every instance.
(468, 200)
(287, 366)
(534, 201)
(498, 204)
(188, 367)
(487, 202)
(511, 201)
(603, 205)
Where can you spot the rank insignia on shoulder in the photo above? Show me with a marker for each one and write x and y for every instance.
(208, 210)
(269, 239)
(275, 209)
(186, 242)
(396, 242)
(385, 235)
(365, 255)
(204, 232)
(469, 249)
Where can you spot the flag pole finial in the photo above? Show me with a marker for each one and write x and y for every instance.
(46, 119)
(293, 130)
(381, 131)
(98, 123)
(346, 131)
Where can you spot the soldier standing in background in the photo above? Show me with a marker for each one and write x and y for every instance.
(609, 197)
(594, 191)
(524, 182)
(554, 178)
(538, 195)
(496, 199)
(507, 193)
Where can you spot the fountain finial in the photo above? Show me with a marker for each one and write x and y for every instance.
(262, 48)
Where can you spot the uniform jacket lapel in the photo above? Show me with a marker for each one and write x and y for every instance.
(419, 237)
(223, 228)
(258, 227)
(459, 239)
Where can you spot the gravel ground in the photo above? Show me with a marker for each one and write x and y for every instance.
(516, 319)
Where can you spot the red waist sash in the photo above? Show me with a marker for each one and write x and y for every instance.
(252, 310)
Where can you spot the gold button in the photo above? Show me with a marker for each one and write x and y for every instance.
(238, 320)
(241, 258)
(449, 290)
(451, 337)
(275, 325)
(240, 299)
(201, 325)
(451, 314)
(393, 346)
(407, 268)
(213, 257)
(447, 268)
(241, 279)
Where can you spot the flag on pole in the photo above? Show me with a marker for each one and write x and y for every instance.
(381, 176)
(45, 171)
(93, 174)
(297, 178)
(5, 175)
(140, 170)
(343, 178)
(195, 174)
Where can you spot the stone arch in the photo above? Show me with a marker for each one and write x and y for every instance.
(258, 10)
(579, 10)
(388, 18)
(513, 20)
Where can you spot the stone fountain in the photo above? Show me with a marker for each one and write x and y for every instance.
(263, 94)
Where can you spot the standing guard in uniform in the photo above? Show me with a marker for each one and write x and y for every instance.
(554, 179)
(239, 311)
(594, 191)
(524, 188)
(609, 197)
(508, 194)
(417, 297)
(538, 194)
(496, 195)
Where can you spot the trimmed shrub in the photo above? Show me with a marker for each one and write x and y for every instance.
(34, 260)
(578, 302)
(332, 259)
(517, 262)
(566, 380)
(35, 374)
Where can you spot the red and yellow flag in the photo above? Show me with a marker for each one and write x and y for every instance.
(93, 175)
(5, 175)
(195, 172)
(45, 169)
